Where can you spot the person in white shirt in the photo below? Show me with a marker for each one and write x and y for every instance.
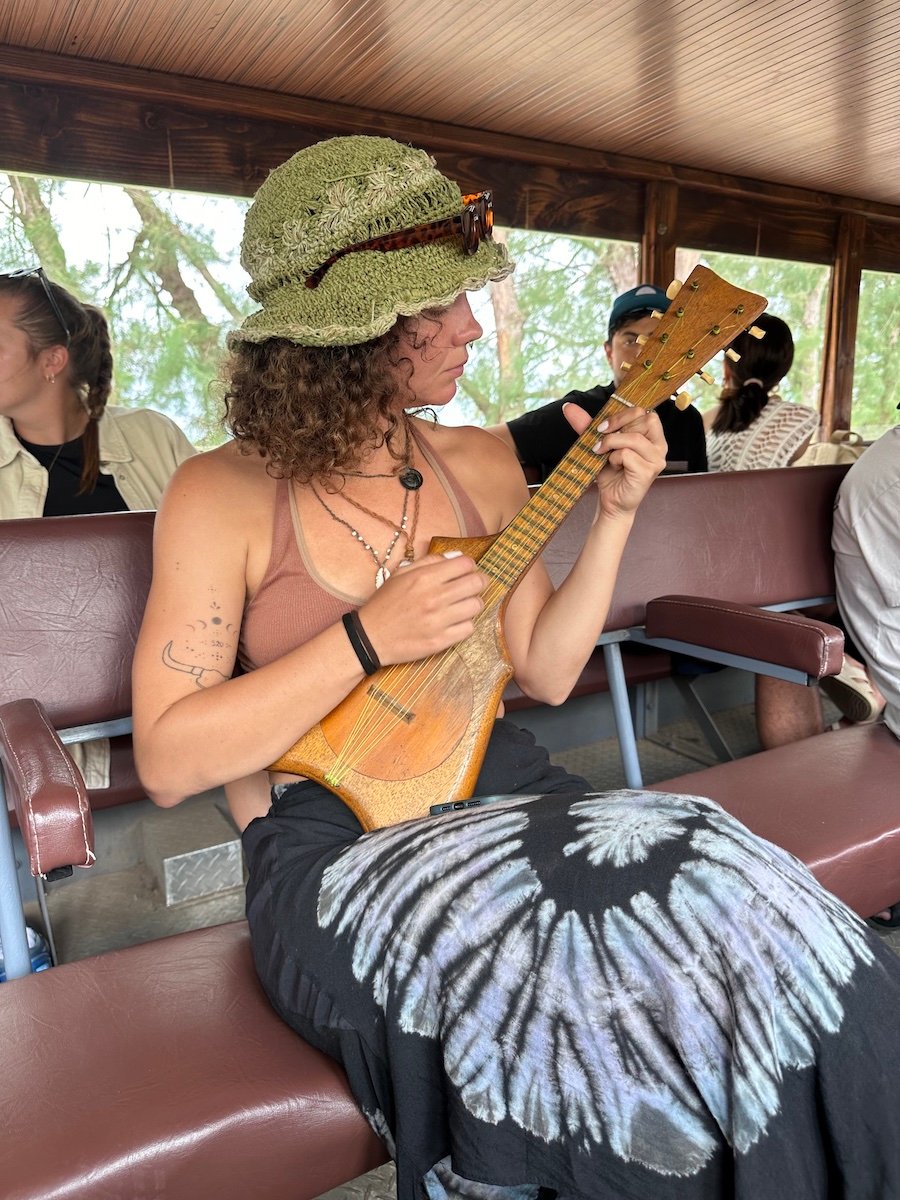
(867, 574)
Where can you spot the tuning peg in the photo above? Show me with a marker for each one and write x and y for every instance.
(706, 377)
(674, 288)
(642, 339)
(756, 332)
(626, 365)
(733, 355)
(683, 400)
(657, 314)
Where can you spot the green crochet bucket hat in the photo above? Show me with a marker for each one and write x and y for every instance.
(334, 195)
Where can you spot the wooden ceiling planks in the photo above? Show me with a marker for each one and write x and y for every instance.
(805, 95)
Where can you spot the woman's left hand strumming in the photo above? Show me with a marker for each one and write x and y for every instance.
(636, 447)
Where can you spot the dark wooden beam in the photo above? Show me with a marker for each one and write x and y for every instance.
(843, 317)
(69, 116)
(882, 249)
(658, 242)
(771, 229)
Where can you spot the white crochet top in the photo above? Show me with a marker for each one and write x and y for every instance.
(771, 441)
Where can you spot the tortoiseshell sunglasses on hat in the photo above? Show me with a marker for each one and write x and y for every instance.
(475, 222)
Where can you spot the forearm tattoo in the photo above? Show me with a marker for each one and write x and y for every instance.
(211, 640)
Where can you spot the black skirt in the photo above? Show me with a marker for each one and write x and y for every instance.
(623, 995)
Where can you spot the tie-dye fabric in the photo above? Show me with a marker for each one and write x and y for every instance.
(624, 995)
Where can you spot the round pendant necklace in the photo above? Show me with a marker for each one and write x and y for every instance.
(411, 479)
(408, 475)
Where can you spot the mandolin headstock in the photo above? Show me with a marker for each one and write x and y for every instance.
(706, 314)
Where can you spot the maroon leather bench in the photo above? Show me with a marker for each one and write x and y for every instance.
(160, 1071)
(831, 800)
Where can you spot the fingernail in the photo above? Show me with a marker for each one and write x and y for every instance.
(405, 563)
(597, 445)
(603, 425)
(453, 554)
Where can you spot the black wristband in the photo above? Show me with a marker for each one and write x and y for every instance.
(364, 649)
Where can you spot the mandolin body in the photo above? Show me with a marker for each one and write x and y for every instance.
(414, 734)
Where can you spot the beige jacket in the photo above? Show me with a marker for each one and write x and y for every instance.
(140, 448)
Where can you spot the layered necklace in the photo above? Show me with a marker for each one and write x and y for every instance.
(410, 480)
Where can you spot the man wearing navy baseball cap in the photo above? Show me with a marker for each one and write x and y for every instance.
(541, 437)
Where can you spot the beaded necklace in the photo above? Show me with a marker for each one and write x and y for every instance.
(382, 571)
(411, 480)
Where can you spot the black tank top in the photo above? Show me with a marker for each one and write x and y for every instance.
(63, 464)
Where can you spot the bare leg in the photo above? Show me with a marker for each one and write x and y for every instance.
(786, 712)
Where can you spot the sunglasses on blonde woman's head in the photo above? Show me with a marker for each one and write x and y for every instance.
(471, 226)
(38, 272)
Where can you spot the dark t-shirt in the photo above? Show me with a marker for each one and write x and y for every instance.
(65, 479)
(543, 435)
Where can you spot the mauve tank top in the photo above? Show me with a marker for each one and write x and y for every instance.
(292, 603)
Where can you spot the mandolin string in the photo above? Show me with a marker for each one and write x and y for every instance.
(366, 731)
(563, 495)
(371, 723)
(376, 719)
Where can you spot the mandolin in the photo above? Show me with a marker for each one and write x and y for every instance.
(415, 734)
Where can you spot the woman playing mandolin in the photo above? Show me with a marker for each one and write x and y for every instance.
(555, 994)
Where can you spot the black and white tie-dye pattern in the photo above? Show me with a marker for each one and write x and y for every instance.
(622, 995)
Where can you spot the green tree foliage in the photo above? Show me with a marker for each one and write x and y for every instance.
(876, 371)
(164, 267)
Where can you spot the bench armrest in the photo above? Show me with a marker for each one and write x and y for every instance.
(46, 789)
(785, 639)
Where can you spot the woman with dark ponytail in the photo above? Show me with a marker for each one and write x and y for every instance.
(752, 427)
(62, 449)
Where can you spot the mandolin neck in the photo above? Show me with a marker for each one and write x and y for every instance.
(515, 549)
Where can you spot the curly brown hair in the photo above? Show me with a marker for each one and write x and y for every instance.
(311, 410)
(90, 365)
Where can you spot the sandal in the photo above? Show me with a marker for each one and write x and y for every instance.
(893, 922)
(853, 693)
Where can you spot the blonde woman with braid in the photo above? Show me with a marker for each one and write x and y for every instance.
(62, 450)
